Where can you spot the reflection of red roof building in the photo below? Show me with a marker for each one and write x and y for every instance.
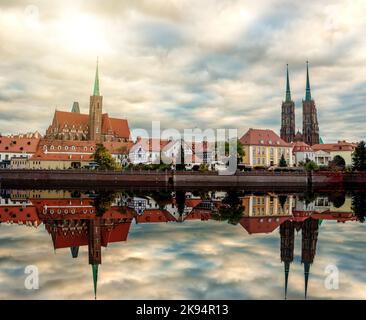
(75, 233)
(261, 224)
(26, 215)
(338, 216)
(154, 215)
(199, 214)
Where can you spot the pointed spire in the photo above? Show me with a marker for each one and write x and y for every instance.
(288, 90)
(96, 82)
(308, 92)
(287, 270)
(75, 107)
(74, 252)
(306, 274)
(95, 279)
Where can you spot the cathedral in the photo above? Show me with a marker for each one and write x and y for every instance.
(96, 126)
(310, 127)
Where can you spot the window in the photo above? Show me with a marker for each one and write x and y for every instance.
(66, 148)
(59, 147)
(52, 147)
(73, 148)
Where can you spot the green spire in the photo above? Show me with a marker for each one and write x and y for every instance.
(306, 274)
(321, 141)
(308, 92)
(96, 82)
(287, 270)
(75, 107)
(95, 279)
(288, 91)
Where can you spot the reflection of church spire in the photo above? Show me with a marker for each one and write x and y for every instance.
(309, 239)
(287, 232)
(74, 251)
(95, 279)
(94, 248)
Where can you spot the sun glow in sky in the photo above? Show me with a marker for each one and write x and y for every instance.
(205, 64)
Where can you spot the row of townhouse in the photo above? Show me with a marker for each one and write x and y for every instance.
(262, 147)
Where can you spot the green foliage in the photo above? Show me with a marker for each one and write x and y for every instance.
(203, 167)
(282, 162)
(232, 209)
(359, 157)
(359, 205)
(162, 198)
(311, 166)
(103, 202)
(104, 159)
(338, 161)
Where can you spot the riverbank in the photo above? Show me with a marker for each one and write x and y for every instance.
(253, 179)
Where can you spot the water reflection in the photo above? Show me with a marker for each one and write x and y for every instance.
(94, 219)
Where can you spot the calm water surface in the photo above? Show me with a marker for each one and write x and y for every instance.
(182, 245)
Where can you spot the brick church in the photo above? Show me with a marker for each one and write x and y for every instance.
(96, 126)
(310, 126)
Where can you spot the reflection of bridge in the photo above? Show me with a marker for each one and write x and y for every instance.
(72, 222)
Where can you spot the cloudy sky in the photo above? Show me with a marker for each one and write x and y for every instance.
(193, 260)
(205, 64)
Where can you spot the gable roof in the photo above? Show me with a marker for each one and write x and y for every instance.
(264, 137)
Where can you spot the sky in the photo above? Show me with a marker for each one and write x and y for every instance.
(188, 64)
(192, 260)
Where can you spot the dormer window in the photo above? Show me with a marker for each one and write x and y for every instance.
(73, 148)
(59, 147)
(66, 148)
(270, 141)
(261, 141)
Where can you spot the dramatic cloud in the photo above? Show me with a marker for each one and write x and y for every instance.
(192, 260)
(206, 64)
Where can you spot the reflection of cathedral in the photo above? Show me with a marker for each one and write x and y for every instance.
(309, 232)
(70, 218)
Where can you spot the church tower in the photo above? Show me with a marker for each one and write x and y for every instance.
(287, 232)
(95, 112)
(310, 127)
(288, 115)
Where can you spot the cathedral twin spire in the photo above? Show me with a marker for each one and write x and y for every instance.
(307, 91)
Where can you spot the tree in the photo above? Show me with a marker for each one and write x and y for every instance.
(338, 161)
(282, 162)
(240, 153)
(231, 210)
(103, 202)
(359, 157)
(359, 205)
(104, 158)
(311, 166)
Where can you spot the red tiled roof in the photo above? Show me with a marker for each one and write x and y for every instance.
(114, 126)
(261, 224)
(154, 215)
(340, 146)
(18, 145)
(54, 150)
(118, 147)
(300, 146)
(264, 137)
